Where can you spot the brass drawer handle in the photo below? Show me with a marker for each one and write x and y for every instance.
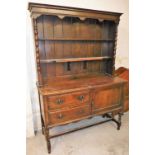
(59, 101)
(60, 116)
(81, 97)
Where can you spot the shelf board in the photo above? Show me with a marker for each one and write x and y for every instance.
(74, 59)
(74, 39)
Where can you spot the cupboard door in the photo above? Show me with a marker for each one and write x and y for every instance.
(107, 99)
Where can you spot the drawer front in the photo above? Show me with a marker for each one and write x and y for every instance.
(66, 115)
(105, 99)
(68, 100)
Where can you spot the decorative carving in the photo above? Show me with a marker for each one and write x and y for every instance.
(35, 15)
(117, 21)
(115, 47)
(61, 16)
(101, 20)
(37, 52)
(82, 18)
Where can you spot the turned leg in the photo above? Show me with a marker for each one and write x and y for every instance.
(119, 121)
(43, 125)
(42, 121)
(112, 117)
(48, 140)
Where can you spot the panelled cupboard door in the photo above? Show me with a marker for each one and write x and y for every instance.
(105, 99)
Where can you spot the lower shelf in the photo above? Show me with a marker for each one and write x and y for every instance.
(79, 128)
(74, 59)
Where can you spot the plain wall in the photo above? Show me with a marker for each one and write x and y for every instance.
(121, 52)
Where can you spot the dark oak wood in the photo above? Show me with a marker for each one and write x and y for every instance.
(75, 59)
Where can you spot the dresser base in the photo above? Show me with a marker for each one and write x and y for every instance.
(109, 117)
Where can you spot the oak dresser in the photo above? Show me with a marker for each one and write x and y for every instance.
(75, 61)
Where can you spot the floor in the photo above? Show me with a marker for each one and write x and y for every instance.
(102, 139)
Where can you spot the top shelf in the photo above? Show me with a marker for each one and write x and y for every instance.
(74, 39)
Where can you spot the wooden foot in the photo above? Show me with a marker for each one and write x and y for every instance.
(48, 140)
(112, 117)
(119, 121)
(43, 132)
(118, 126)
(49, 146)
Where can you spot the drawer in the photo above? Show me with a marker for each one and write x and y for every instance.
(68, 100)
(66, 115)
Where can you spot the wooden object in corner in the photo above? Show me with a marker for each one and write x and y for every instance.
(123, 73)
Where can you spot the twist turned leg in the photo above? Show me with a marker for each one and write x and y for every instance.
(43, 126)
(119, 121)
(48, 140)
(112, 118)
(49, 146)
(113, 115)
